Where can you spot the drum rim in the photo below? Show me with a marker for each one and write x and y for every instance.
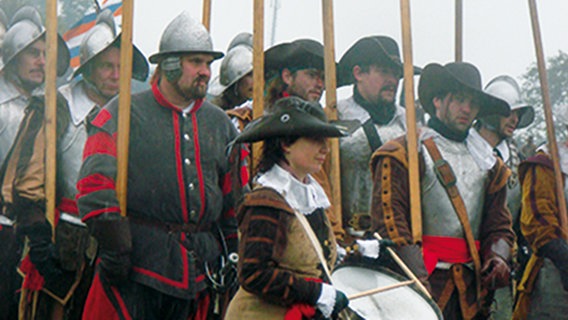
(396, 276)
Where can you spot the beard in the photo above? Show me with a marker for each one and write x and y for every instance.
(194, 91)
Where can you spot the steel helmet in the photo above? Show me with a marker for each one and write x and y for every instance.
(3, 25)
(506, 88)
(25, 28)
(236, 65)
(243, 38)
(185, 35)
(102, 36)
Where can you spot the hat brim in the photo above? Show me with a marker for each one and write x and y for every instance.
(435, 80)
(292, 56)
(526, 115)
(157, 57)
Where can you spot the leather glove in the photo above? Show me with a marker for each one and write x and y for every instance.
(115, 245)
(495, 273)
(331, 301)
(557, 251)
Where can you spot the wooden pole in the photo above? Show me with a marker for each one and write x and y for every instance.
(124, 105)
(411, 134)
(404, 267)
(206, 20)
(459, 30)
(258, 71)
(559, 181)
(331, 103)
(51, 110)
(379, 290)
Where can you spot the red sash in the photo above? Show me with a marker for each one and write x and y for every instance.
(445, 249)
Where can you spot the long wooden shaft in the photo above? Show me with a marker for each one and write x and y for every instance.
(51, 110)
(379, 290)
(258, 71)
(411, 133)
(124, 105)
(405, 268)
(331, 103)
(206, 19)
(459, 30)
(548, 115)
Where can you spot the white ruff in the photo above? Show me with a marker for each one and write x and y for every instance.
(304, 197)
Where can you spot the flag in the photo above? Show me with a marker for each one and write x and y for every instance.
(74, 36)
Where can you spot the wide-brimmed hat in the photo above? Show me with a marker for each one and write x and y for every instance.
(381, 50)
(299, 54)
(291, 116)
(436, 80)
(506, 88)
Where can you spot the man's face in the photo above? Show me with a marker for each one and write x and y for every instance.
(508, 125)
(196, 72)
(105, 72)
(457, 110)
(31, 64)
(307, 84)
(245, 86)
(378, 84)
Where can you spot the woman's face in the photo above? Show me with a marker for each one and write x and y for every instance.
(306, 156)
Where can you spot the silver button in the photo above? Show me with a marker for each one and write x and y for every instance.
(184, 114)
(192, 212)
(187, 161)
(191, 186)
(186, 137)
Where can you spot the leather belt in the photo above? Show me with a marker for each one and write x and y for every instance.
(169, 227)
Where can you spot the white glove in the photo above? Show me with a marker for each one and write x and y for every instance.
(326, 300)
(369, 248)
(341, 253)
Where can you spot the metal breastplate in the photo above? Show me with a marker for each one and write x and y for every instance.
(11, 114)
(71, 158)
(439, 216)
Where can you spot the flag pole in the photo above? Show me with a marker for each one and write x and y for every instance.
(331, 102)
(559, 181)
(124, 105)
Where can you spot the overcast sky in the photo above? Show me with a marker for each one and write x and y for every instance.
(497, 33)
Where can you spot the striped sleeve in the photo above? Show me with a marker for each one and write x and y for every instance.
(539, 214)
(259, 273)
(96, 184)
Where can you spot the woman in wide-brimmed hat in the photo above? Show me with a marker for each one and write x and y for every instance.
(285, 238)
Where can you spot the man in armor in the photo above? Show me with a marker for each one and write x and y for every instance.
(23, 74)
(374, 68)
(180, 214)
(464, 245)
(497, 131)
(543, 289)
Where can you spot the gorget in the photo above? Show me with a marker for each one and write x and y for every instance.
(355, 153)
(73, 140)
(12, 107)
(304, 197)
(439, 216)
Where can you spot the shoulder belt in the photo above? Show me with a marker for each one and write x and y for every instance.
(372, 135)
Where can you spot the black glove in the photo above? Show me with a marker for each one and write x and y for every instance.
(115, 245)
(557, 251)
(341, 302)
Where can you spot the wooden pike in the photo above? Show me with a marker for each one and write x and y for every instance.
(405, 268)
(331, 103)
(124, 105)
(206, 19)
(411, 134)
(258, 71)
(459, 30)
(559, 181)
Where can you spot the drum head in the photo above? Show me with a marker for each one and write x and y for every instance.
(400, 303)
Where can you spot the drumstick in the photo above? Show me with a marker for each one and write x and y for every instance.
(381, 289)
(405, 268)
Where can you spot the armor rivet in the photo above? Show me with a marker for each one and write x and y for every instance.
(285, 117)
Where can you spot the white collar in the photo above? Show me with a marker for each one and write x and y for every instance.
(304, 197)
(504, 149)
(188, 109)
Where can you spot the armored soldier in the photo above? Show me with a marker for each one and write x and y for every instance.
(180, 213)
(543, 289)
(466, 228)
(23, 57)
(374, 68)
(497, 131)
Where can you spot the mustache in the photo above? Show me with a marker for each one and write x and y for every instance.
(390, 87)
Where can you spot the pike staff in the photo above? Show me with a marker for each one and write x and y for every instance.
(459, 30)
(548, 113)
(331, 101)
(206, 20)
(258, 70)
(411, 135)
(124, 105)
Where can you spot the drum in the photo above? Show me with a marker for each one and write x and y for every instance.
(401, 303)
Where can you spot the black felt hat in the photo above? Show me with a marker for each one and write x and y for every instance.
(299, 54)
(291, 116)
(457, 77)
